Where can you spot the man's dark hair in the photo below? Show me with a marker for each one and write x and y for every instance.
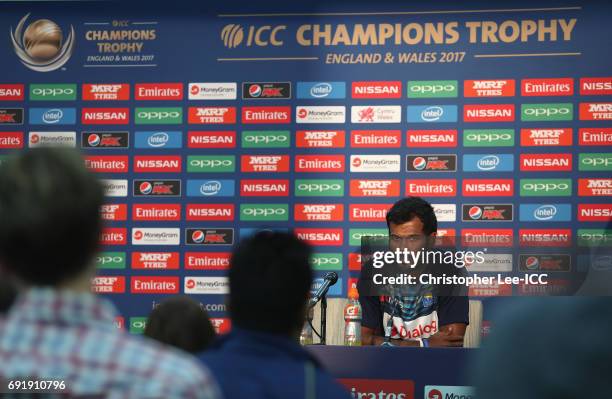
(181, 322)
(49, 213)
(408, 208)
(270, 279)
(8, 293)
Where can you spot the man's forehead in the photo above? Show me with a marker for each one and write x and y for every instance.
(413, 226)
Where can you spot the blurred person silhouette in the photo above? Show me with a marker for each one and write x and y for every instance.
(261, 358)
(8, 292)
(49, 208)
(182, 323)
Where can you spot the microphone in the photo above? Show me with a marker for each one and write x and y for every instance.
(329, 279)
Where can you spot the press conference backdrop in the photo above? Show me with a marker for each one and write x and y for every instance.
(207, 122)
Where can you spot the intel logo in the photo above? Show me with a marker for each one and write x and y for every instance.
(431, 114)
(158, 139)
(210, 188)
(545, 212)
(52, 116)
(488, 162)
(321, 90)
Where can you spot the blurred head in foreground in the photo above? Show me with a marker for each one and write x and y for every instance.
(49, 208)
(270, 279)
(181, 322)
(8, 292)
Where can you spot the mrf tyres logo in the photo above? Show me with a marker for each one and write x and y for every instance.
(41, 45)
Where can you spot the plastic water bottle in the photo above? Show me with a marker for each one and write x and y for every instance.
(352, 319)
(306, 337)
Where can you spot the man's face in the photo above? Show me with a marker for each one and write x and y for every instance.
(407, 235)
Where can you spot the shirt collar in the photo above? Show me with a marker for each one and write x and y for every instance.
(48, 305)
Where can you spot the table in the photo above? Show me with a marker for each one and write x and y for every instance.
(400, 373)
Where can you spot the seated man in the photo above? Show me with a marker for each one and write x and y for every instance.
(56, 329)
(270, 280)
(427, 320)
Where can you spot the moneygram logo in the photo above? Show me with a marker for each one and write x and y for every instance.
(114, 187)
(155, 236)
(106, 92)
(52, 139)
(41, 46)
(153, 188)
(266, 139)
(320, 114)
(213, 91)
(546, 187)
(488, 138)
(206, 285)
(211, 163)
(319, 188)
(431, 138)
(489, 88)
(547, 112)
(53, 92)
(264, 188)
(432, 113)
(264, 212)
(321, 90)
(104, 140)
(449, 392)
(105, 116)
(375, 163)
(432, 89)
(158, 116)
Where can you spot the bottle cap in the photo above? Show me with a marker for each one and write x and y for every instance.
(353, 293)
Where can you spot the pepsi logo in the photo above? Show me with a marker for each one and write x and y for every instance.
(138, 235)
(198, 236)
(190, 284)
(146, 187)
(93, 140)
(532, 263)
(475, 212)
(255, 91)
(419, 163)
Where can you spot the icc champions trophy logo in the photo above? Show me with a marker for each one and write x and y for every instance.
(41, 47)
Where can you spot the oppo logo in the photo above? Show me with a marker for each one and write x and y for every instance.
(158, 115)
(103, 260)
(210, 163)
(432, 88)
(325, 261)
(537, 187)
(266, 139)
(597, 161)
(53, 92)
(139, 324)
(546, 111)
(488, 137)
(318, 187)
(264, 211)
(358, 235)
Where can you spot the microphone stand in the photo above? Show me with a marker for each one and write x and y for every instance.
(323, 319)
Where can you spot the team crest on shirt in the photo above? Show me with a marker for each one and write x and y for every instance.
(427, 300)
